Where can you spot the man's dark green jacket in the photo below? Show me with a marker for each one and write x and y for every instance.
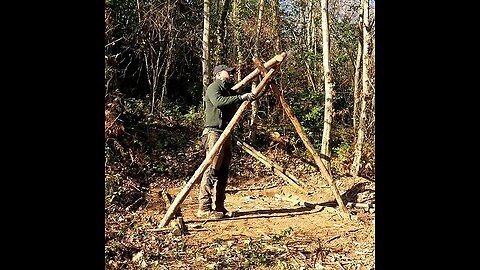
(220, 103)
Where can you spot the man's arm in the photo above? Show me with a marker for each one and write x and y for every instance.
(218, 100)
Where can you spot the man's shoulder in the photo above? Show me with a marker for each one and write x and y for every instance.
(214, 85)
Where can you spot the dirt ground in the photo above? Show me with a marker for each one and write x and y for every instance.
(300, 231)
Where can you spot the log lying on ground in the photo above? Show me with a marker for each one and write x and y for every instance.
(213, 152)
(304, 138)
(277, 169)
(360, 205)
(296, 200)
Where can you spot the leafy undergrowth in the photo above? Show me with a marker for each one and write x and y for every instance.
(135, 249)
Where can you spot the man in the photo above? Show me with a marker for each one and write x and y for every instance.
(220, 106)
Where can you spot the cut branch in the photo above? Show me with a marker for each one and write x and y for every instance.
(360, 205)
(277, 169)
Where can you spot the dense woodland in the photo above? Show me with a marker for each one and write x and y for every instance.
(159, 55)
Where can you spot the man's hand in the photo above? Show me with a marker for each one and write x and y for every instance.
(247, 96)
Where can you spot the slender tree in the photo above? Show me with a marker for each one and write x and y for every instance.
(328, 81)
(255, 105)
(220, 33)
(356, 80)
(277, 25)
(206, 45)
(355, 168)
(167, 68)
(238, 36)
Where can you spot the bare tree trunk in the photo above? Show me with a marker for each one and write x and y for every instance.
(356, 80)
(356, 86)
(109, 73)
(153, 70)
(328, 80)
(308, 10)
(237, 35)
(311, 46)
(254, 111)
(372, 84)
(167, 68)
(314, 27)
(206, 45)
(276, 21)
(219, 52)
(355, 168)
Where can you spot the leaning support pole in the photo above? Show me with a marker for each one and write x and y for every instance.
(213, 152)
(276, 169)
(304, 138)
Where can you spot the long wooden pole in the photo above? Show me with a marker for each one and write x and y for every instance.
(304, 138)
(213, 152)
(277, 169)
(270, 63)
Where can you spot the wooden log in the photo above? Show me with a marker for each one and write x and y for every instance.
(213, 152)
(304, 138)
(270, 63)
(295, 200)
(179, 227)
(360, 205)
(277, 169)
(257, 154)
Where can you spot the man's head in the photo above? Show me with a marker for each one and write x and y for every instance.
(224, 73)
